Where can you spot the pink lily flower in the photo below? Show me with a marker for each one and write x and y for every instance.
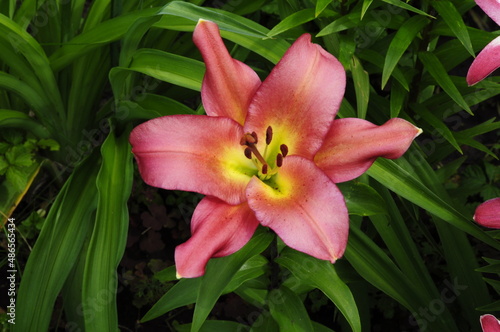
(488, 213)
(489, 58)
(266, 153)
(490, 323)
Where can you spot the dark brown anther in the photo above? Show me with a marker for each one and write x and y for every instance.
(254, 135)
(284, 150)
(243, 140)
(279, 160)
(269, 135)
(264, 169)
(248, 153)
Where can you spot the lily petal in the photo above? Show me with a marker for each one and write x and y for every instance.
(488, 213)
(485, 63)
(491, 8)
(299, 99)
(228, 85)
(193, 153)
(490, 323)
(352, 145)
(218, 229)
(304, 207)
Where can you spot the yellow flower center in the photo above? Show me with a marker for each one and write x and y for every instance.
(265, 172)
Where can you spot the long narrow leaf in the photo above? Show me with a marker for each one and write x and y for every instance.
(107, 244)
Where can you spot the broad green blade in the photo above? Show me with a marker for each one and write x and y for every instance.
(103, 34)
(403, 38)
(108, 240)
(406, 6)
(320, 6)
(370, 261)
(361, 86)
(220, 273)
(183, 16)
(16, 119)
(361, 199)
(398, 96)
(182, 293)
(58, 246)
(342, 23)
(25, 44)
(454, 20)
(438, 125)
(322, 275)
(366, 5)
(403, 183)
(288, 311)
(168, 67)
(225, 20)
(292, 21)
(438, 72)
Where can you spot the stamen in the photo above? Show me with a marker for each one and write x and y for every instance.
(279, 160)
(248, 153)
(269, 135)
(254, 135)
(264, 169)
(284, 150)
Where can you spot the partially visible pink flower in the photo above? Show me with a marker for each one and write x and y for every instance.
(489, 58)
(490, 323)
(266, 153)
(488, 213)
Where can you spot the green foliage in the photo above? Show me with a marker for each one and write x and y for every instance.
(76, 76)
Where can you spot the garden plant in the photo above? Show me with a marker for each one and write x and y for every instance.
(233, 165)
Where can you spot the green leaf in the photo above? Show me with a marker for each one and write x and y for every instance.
(403, 38)
(182, 293)
(438, 72)
(24, 43)
(438, 125)
(370, 261)
(342, 23)
(183, 16)
(361, 86)
(19, 120)
(322, 275)
(103, 34)
(405, 5)
(109, 236)
(403, 183)
(398, 96)
(454, 20)
(57, 248)
(361, 199)
(220, 273)
(168, 67)
(320, 6)
(366, 5)
(292, 21)
(288, 311)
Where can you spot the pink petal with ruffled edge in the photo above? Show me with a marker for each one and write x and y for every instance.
(193, 153)
(304, 207)
(488, 213)
(352, 145)
(490, 323)
(485, 63)
(218, 230)
(491, 8)
(228, 85)
(299, 98)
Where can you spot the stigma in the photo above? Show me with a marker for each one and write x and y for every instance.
(250, 140)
